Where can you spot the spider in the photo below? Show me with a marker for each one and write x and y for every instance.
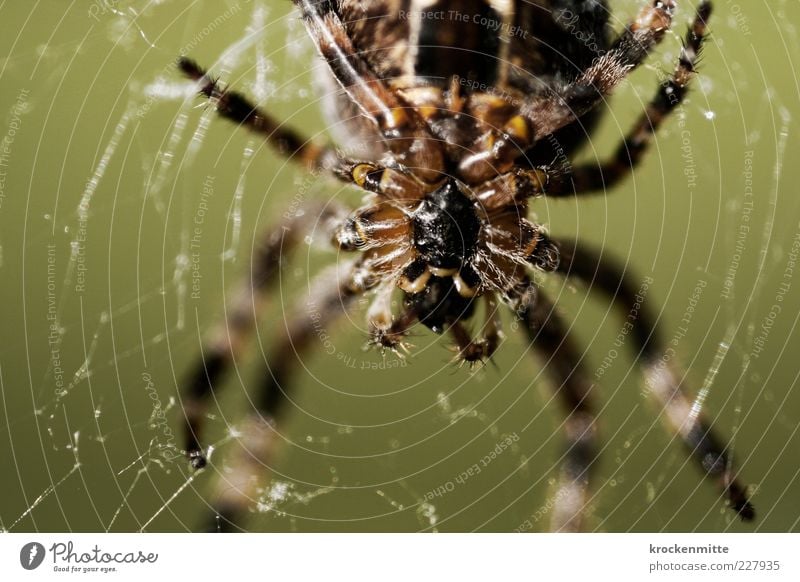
(458, 104)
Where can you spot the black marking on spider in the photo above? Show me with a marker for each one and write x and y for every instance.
(462, 120)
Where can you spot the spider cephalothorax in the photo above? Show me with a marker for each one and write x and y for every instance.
(459, 109)
(443, 248)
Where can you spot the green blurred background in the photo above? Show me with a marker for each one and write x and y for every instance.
(104, 163)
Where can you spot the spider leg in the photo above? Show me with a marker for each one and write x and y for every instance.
(388, 332)
(405, 133)
(593, 178)
(662, 381)
(492, 329)
(535, 118)
(238, 486)
(549, 336)
(239, 109)
(482, 347)
(520, 184)
(550, 112)
(229, 338)
(469, 349)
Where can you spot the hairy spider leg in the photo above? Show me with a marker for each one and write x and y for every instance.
(550, 338)
(484, 345)
(237, 108)
(405, 133)
(237, 487)
(598, 272)
(392, 335)
(519, 184)
(551, 112)
(229, 338)
(589, 178)
(540, 116)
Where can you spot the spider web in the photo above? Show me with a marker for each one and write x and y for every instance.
(129, 212)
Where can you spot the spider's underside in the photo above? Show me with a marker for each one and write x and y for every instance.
(456, 118)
